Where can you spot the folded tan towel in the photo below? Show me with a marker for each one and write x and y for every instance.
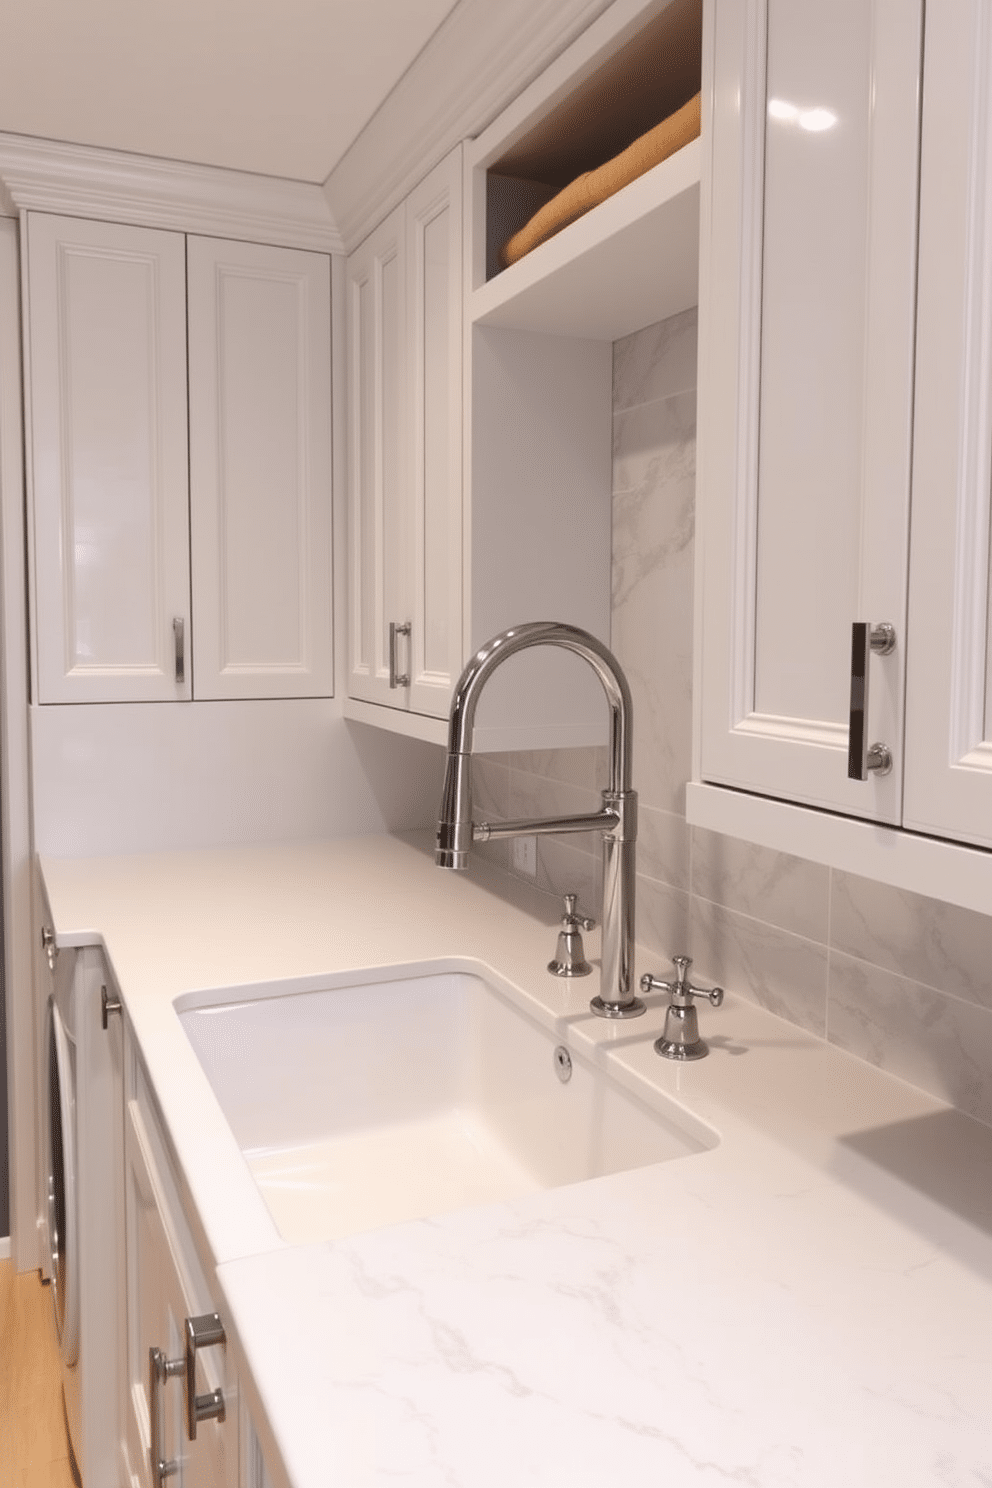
(592, 187)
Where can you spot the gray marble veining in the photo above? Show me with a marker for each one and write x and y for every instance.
(654, 443)
(663, 847)
(783, 973)
(656, 362)
(663, 922)
(938, 1043)
(775, 887)
(939, 945)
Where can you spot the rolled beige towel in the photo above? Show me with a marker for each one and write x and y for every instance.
(592, 187)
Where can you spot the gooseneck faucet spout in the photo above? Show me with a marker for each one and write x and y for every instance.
(617, 820)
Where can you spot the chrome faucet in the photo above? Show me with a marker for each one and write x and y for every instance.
(617, 820)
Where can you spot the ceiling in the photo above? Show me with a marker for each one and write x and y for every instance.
(280, 87)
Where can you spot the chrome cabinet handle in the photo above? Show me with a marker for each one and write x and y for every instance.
(108, 1005)
(202, 1332)
(397, 679)
(160, 1368)
(863, 757)
(179, 643)
(48, 945)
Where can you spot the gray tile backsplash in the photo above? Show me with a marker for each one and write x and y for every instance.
(780, 890)
(898, 980)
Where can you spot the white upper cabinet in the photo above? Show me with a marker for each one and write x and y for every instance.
(127, 507)
(260, 470)
(806, 390)
(108, 459)
(949, 652)
(405, 451)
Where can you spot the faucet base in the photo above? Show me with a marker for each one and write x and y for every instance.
(632, 1009)
(671, 1049)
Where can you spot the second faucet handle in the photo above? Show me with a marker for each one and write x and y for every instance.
(680, 1039)
(681, 990)
(572, 920)
(570, 957)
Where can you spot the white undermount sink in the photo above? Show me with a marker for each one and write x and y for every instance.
(367, 1104)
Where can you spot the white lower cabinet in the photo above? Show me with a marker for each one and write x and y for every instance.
(166, 1286)
(181, 533)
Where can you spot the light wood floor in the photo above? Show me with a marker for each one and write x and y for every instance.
(34, 1449)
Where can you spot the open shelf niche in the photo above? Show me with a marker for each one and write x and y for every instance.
(631, 260)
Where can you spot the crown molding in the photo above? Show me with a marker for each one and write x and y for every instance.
(480, 58)
(109, 185)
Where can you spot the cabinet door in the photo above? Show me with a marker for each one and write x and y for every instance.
(434, 320)
(405, 450)
(163, 1289)
(260, 470)
(378, 473)
(949, 686)
(106, 324)
(806, 351)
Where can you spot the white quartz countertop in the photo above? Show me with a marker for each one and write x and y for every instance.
(810, 1302)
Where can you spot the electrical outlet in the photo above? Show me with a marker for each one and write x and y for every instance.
(525, 855)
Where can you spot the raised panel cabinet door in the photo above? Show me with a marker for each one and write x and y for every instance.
(106, 344)
(260, 470)
(434, 316)
(949, 686)
(378, 466)
(164, 1288)
(147, 1313)
(805, 400)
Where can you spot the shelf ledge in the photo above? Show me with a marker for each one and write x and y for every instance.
(629, 262)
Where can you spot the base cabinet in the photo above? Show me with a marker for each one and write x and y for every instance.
(83, 1201)
(166, 1285)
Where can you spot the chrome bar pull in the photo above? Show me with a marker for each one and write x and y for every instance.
(160, 1369)
(108, 1005)
(202, 1332)
(179, 643)
(48, 945)
(863, 757)
(397, 678)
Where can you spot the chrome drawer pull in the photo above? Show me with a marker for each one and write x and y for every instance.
(397, 679)
(863, 757)
(160, 1368)
(202, 1332)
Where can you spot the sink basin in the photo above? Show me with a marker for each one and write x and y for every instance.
(367, 1104)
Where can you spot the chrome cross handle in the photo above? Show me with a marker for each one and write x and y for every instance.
(570, 957)
(680, 1039)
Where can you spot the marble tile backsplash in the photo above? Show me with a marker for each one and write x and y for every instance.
(901, 981)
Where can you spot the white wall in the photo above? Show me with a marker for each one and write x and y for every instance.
(139, 777)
